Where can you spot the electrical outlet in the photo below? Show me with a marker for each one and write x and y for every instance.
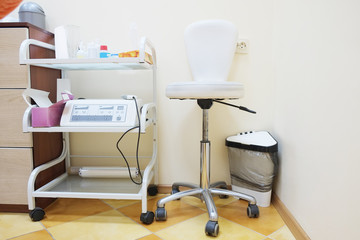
(242, 46)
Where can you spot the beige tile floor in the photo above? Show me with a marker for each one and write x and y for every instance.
(92, 219)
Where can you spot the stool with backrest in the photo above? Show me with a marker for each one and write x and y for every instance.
(210, 47)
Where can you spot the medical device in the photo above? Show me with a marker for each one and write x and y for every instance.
(100, 113)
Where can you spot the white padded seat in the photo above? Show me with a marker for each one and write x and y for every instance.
(205, 90)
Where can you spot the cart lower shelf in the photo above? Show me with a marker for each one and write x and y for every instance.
(73, 186)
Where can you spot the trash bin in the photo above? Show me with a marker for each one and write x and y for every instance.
(32, 13)
(253, 164)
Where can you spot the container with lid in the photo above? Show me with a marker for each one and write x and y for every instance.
(253, 164)
(32, 13)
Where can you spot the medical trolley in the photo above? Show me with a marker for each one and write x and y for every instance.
(73, 185)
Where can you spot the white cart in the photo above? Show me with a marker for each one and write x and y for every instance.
(74, 186)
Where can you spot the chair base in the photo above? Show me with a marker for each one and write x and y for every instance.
(205, 194)
(204, 191)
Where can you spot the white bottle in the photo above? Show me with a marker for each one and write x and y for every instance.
(92, 51)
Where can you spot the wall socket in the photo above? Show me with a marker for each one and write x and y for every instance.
(242, 46)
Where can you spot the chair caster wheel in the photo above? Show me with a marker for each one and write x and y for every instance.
(147, 218)
(37, 214)
(212, 228)
(152, 190)
(223, 196)
(253, 211)
(160, 214)
(175, 190)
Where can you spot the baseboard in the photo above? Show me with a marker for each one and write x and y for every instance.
(15, 208)
(289, 219)
(164, 189)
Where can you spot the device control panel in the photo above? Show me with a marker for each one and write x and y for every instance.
(100, 112)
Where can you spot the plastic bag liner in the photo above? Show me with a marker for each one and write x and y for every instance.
(253, 160)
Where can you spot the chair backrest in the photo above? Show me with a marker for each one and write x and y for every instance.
(210, 47)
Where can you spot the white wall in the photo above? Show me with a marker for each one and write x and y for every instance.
(300, 76)
(317, 114)
(164, 23)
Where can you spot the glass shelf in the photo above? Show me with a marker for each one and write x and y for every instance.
(84, 129)
(90, 64)
(75, 186)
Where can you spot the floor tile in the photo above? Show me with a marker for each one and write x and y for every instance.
(150, 237)
(194, 228)
(268, 222)
(115, 203)
(119, 203)
(107, 225)
(177, 211)
(283, 234)
(120, 219)
(15, 224)
(39, 235)
(198, 203)
(68, 209)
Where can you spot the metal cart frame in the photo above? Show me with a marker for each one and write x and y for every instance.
(71, 186)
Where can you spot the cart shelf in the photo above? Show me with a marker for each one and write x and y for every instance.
(83, 129)
(72, 186)
(124, 63)
(91, 64)
(145, 121)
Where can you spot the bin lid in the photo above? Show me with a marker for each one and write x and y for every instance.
(260, 141)
(31, 7)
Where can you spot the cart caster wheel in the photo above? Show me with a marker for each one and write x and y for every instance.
(147, 218)
(212, 228)
(160, 214)
(152, 190)
(252, 211)
(223, 196)
(37, 214)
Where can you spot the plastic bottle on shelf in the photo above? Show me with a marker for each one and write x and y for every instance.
(104, 51)
(92, 51)
(97, 46)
